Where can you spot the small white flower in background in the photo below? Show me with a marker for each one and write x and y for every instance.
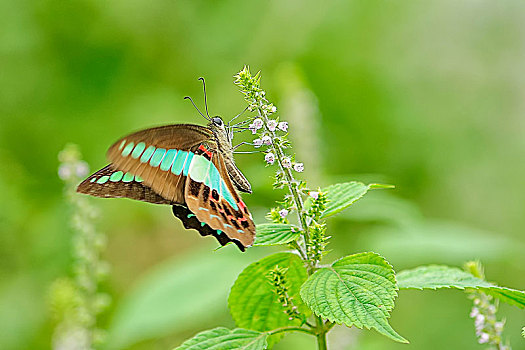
(273, 109)
(82, 169)
(484, 338)
(283, 126)
(257, 143)
(269, 158)
(272, 124)
(253, 129)
(299, 167)
(267, 140)
(313, 194)
(287, 163)
(498, 326)
(257, 123)
(283, 213)
(474, 311)
(64, 172)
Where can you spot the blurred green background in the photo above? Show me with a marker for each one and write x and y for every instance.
(426, 95)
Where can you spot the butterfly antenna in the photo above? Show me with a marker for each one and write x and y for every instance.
(197, 108)
(238, 115)
(205, 98)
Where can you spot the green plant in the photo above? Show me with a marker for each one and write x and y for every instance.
(293, 291)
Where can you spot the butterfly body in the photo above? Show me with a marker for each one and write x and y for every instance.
(188, 166)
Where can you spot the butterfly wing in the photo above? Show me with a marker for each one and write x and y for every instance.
(160, 156)
(211, 196)
(109, 182)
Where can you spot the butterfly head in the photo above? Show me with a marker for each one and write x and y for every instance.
(221, 131)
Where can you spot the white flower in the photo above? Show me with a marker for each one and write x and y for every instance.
(474, 312)
(64, 172)
(480, 320)
(287, 163)
(267, 140)
(253, 129)
(484, 338)
(273, 109)
(299, 167)
(283, 126)
(313, 194)
(81, 169)
(269, 158)
(272, 124)
(283, 213)
(499, 326)
(257, 143)
(257, 123)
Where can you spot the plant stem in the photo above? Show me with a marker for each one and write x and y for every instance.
(289, 181)
(321, 334)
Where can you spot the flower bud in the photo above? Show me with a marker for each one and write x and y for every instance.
(267, 140)
(287, 163)
(257, 143)
(272, 124)
(283, 213)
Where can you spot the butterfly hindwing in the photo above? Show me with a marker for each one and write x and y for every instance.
(109, 182)
(211, 196)
(160, 156)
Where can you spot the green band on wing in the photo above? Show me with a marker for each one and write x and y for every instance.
(178, 163)
(147, 154)
(128, 177)
(137, 151)
(121, 145)
(116, 176)
(103, 179)
(127, 150)
(187, 164)
(199, 168)
(168, 159)
(156, 158)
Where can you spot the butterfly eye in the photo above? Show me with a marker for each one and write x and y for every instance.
(217, 121)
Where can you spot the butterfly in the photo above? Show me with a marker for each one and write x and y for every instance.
(187, 166)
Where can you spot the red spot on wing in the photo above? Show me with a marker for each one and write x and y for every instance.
(205, 150)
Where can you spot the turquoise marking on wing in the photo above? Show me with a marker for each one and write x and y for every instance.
(240, 231)
(156, 158)
(168, 159)
(214, 216)
(224, 192)
(116, 176)
(199, 168)
(178, 163)
(127, 150)
(219, 232)
(147, 154)
(93, 179)
(203, 223)
(137, 151)
(121, 145)
(187, 163)
(201, 208)
(190, 215)
(103, 179)
(213, 180)
(227, 225)
(128, 177)
(138, 179)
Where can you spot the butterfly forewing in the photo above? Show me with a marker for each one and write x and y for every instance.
(160, 156)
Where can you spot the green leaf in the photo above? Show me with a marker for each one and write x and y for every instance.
(252, 301)
(273, 234)
(341, 196)
(179, 294)
(437, 276)
(358, 290)
(225, 339)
